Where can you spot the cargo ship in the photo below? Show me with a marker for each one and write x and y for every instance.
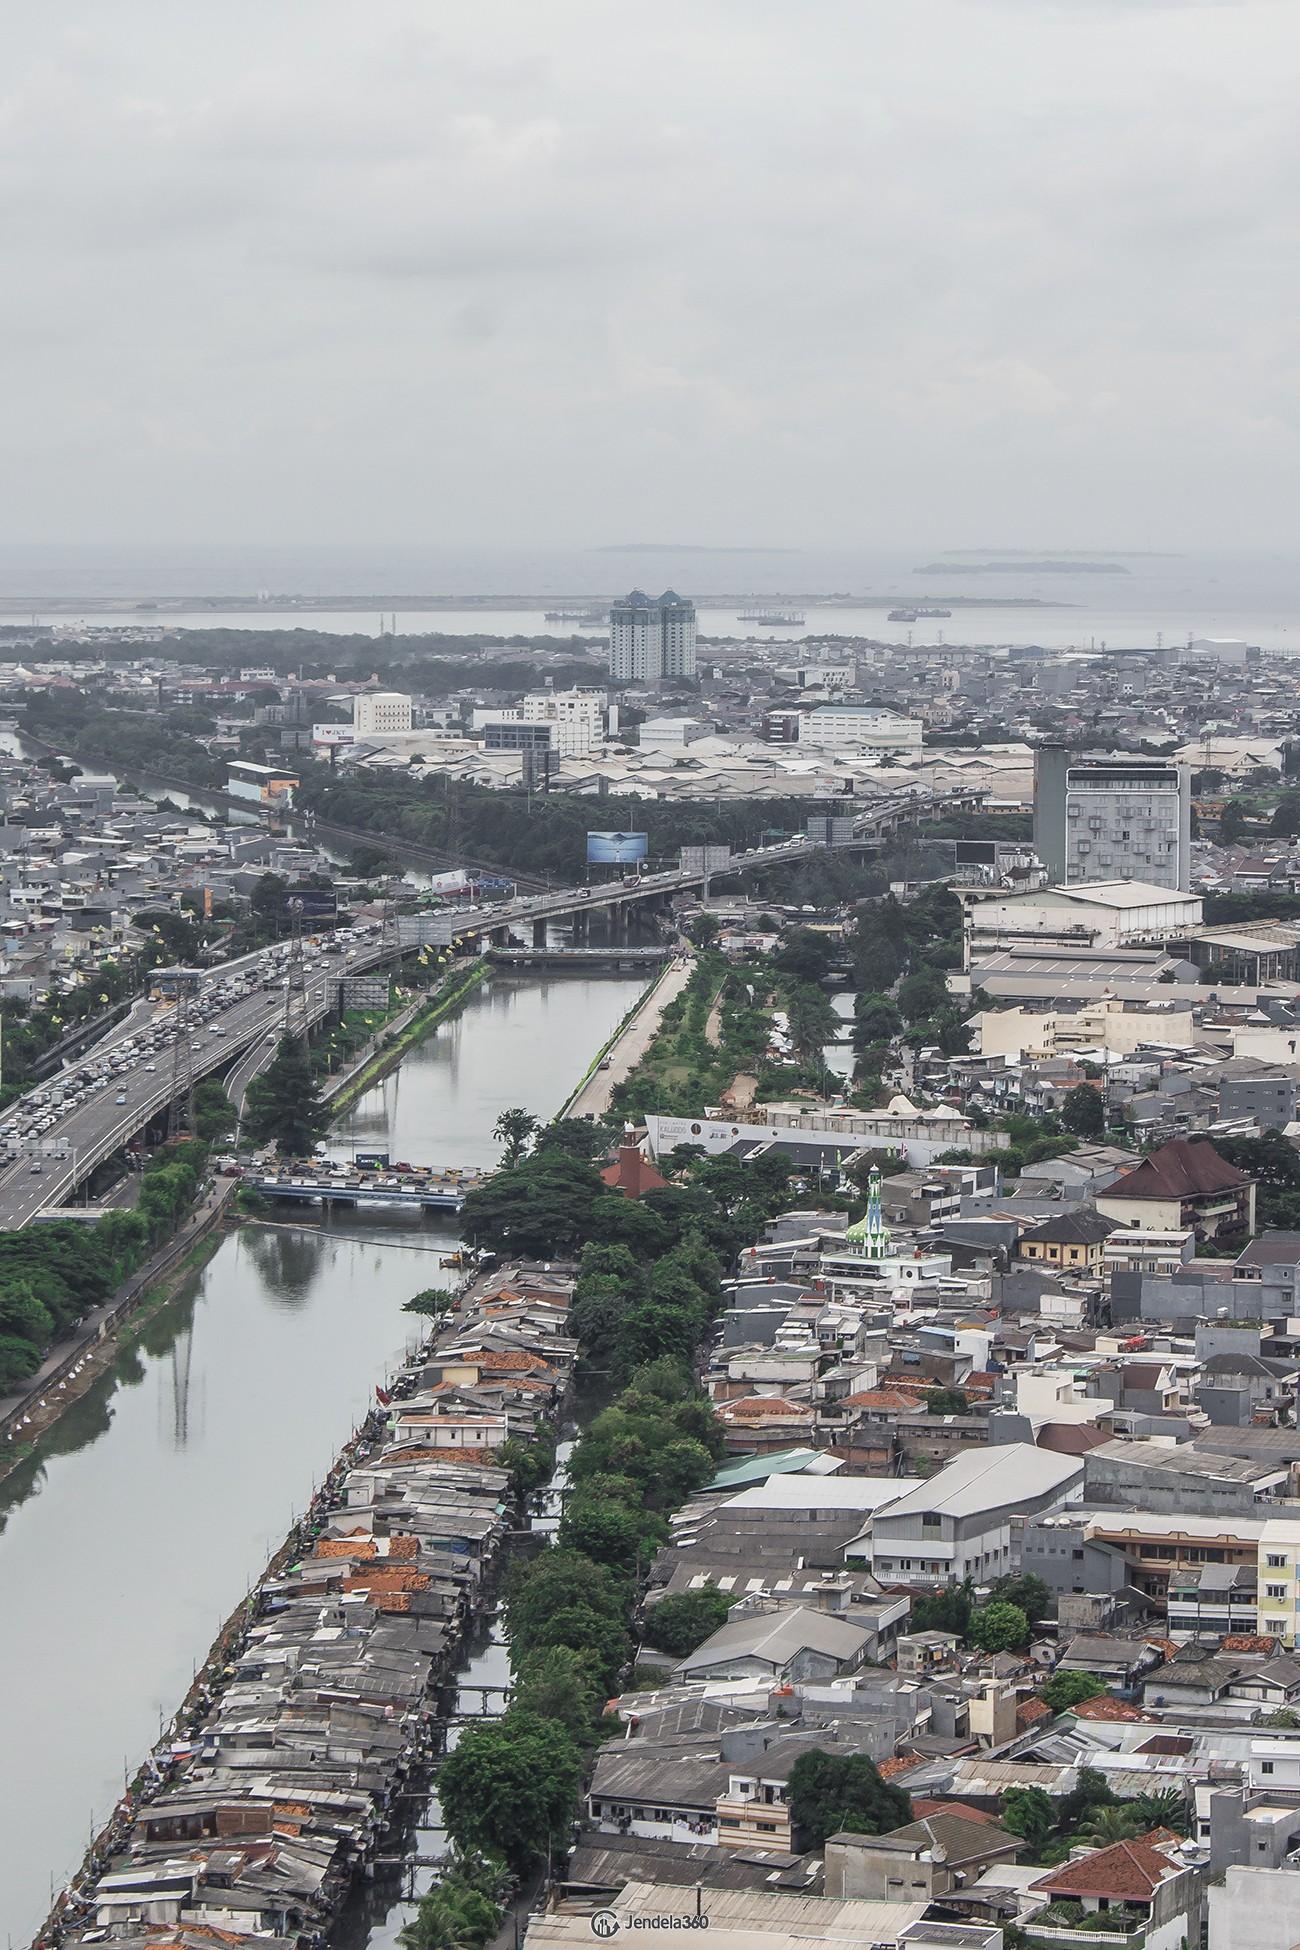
(772, 619)
(903, 616)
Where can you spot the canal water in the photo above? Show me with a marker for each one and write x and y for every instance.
(153, 1505)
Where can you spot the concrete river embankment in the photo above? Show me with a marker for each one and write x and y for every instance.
(158, 1499)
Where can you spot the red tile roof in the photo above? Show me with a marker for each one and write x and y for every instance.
(632, 1173)
(1106, 1708)
(757, 1407)
(924, 1805)
(902, 1400)
(1071, 1438)
(1183, 1168)
(1030, 1711)
(1127, 1872)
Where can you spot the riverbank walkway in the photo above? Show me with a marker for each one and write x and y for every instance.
(630, 1045)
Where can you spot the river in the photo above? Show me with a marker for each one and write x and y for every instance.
(155, 1502)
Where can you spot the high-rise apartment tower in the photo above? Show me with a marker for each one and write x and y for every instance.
(651, 638)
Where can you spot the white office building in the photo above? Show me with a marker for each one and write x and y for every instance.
(651, 638)
(376, 714)
(858, 728)
(576, 719)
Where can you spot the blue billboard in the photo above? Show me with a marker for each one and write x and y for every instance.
(616, 849)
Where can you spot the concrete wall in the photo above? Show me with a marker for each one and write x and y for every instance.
(1255, 1909)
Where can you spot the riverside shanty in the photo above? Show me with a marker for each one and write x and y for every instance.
(276, 1785)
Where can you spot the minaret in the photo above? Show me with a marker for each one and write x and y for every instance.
(870, 1236)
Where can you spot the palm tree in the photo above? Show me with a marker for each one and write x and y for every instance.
(1167, 1809)
(1111, 1822)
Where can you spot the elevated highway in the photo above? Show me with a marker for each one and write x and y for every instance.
(240, 1035)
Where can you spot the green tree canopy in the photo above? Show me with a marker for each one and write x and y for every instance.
(1029, 1813)
(514, 1131)
(1083, 1111)
(510, 1787)
(999, 1627)
(681, 1622)
(283, 1106)
(1066, 1689)
(829, 1792)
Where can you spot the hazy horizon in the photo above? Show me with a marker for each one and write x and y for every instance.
(738, 275)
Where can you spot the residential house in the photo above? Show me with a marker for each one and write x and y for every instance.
(1151, 1896)
(1071, 1241)
(925, 1861)
(1185, 1184)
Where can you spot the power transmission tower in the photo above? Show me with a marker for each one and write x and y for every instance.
(180, 1111)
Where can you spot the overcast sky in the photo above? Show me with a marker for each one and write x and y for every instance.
(812, 272)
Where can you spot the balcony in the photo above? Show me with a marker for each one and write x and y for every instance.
(1120, 1938)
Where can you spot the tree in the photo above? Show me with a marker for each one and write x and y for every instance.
(430, 1302)
(1112, 1821)
(704, 929)
(538, 1209)
(510, 1787)
(462, 1910)
(803, 955)
(576, 1137)
(830, 1792)
(1232, 822)
(283, 1105)
(609, 1533)
(813, 1022)
(1027, 1591)
(1167, 1809)
(560, 1684)
(214, 1114)
(1083, 1111)
(514, 1130)
(1066, 1689)
(948, 1610)
(999, 1627)
(946, 1401)
(1028, 1812)
(875, 1020)
(679, 1623)
(922, 994)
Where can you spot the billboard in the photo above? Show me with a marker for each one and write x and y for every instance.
(977, 853)
(310, 904)
(616, 849)
(836, 830)
(426, 930)
(366, 992)
(705, 859)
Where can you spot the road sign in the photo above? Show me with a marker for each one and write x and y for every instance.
(426, 930)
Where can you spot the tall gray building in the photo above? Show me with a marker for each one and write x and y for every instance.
(651, 637)
(1116, 818)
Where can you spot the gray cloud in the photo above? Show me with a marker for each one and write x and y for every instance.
(922, 269)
